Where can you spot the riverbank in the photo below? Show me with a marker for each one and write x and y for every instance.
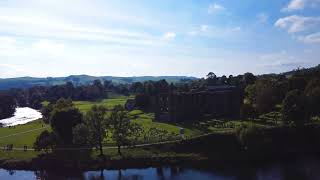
(149, 162)
(39, 164)
(222, 149)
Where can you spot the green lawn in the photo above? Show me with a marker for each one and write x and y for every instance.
(84, 106)
(146, 120)
(20, 136)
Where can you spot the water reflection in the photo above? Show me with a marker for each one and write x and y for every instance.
(57, 175)
(308, 169)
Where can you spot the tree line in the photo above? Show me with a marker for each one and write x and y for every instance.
(34, 96)
(295, 95)
(7, 105)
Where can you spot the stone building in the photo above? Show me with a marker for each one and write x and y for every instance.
(214, 102)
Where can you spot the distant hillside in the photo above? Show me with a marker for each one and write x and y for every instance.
(26, 82)
(303, 70)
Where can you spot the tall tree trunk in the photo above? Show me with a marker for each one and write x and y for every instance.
(100, 146)
(119, 150)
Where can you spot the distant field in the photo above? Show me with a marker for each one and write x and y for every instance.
(84, 106)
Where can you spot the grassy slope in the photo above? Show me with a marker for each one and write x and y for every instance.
(147, 121)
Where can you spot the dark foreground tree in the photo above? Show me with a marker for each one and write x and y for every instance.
(294, 108)
(7, 106)
(45, 141)
(312, 92)
(63, 118)
(248, 111)
(249, 136)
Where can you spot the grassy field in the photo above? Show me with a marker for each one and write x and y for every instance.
(22, 135)
(84, 106)
(146, 120)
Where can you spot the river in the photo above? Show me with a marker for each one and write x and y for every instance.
(304, 169)
(22, 115)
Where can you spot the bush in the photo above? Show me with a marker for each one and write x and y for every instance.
(249, 136)
(45, 141)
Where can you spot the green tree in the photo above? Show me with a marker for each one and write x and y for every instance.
(297, 82)
(294, 108)
(249, 136)
(97, 122)
(81, 135)
(7, 106)
(45, 141)
(251, 93)
(248, 111)
(122, 128)
(223, 79)
(266, 99)
(312, 92)
(263, 95)
(211, 78)
(63, 118)
(46, 113)
(249, 78)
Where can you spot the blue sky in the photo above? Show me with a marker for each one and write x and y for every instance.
(169, 37)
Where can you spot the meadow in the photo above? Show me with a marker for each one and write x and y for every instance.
(22, 135)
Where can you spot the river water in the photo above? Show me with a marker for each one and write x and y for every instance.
(22, 115)
(304, 169)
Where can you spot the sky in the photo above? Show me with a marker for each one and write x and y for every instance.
(42, 38)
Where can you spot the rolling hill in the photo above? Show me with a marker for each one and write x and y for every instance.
(26, 82)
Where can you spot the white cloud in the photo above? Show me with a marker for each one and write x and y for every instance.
(9, 70)
(48, 47)
(169, 35)
(41, 28)
(214, 8)
(300, 4)
(311, 38)
(7, 42)
(262, 17)
(280, 59)
(295, 5)
(238, 28)
(204, 28)
(209, 31)
(296, 23)
(193, 33)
